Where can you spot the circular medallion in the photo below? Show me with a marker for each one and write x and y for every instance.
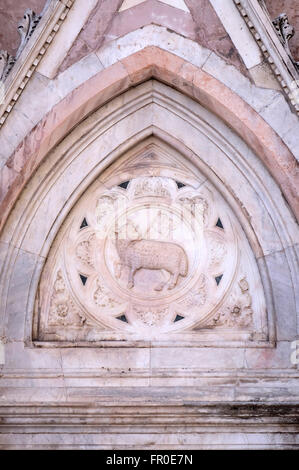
(151, 257)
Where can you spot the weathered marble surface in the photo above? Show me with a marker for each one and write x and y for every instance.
(133, 69)
(107, 117)
(192, 425)
(142, 376)
(150, 254)
(202, 24)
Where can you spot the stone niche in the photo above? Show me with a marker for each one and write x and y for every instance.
(152, 254)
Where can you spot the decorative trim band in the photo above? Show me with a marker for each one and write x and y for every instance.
(16, 71)
(266, 36)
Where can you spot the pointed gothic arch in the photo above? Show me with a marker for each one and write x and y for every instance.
(150, 110)
(150, 62)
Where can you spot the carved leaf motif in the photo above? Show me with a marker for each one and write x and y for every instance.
(6, 63)
(285, 31)
(84, 251)
(198, 296)
(197, 205)
(106, 206)
(62, 309)
(217, 251)
(237, 311)
(151, 317)
(153, 186)
(26, 27)
(103, 297)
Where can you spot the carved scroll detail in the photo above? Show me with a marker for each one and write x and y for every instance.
(26, 27)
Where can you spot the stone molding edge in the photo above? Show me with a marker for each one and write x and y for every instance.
(162, 372)
(16, 417)
(130, 423)
(31, 55)
(263, 344)
(216, 409)
(265, 35)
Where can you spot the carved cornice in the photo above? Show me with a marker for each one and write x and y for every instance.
(274, 48)
(15, 71)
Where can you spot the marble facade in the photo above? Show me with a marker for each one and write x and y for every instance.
(149, 240)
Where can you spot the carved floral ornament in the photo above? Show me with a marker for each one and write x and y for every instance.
(285, 32)
(152, 258)
(26, 28)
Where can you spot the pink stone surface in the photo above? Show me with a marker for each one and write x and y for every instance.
(210, 33)
(203, 25)
(92, 34)
(208, 28)
(151, 12)
(168, 68)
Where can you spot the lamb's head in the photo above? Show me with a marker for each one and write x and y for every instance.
(128, 231)
(133, 232)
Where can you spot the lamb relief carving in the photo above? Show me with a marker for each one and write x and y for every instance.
(150, 256)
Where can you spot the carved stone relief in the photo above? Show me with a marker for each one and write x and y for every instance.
(285, 32)
(237, 310)
(147, 258)
(63, 311)
(26, 28)
(6, 63)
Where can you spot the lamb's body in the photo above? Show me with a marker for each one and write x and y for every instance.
(152, 254)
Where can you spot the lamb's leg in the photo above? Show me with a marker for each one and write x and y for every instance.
(174, 280)
(161, 286)
(131, 277)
